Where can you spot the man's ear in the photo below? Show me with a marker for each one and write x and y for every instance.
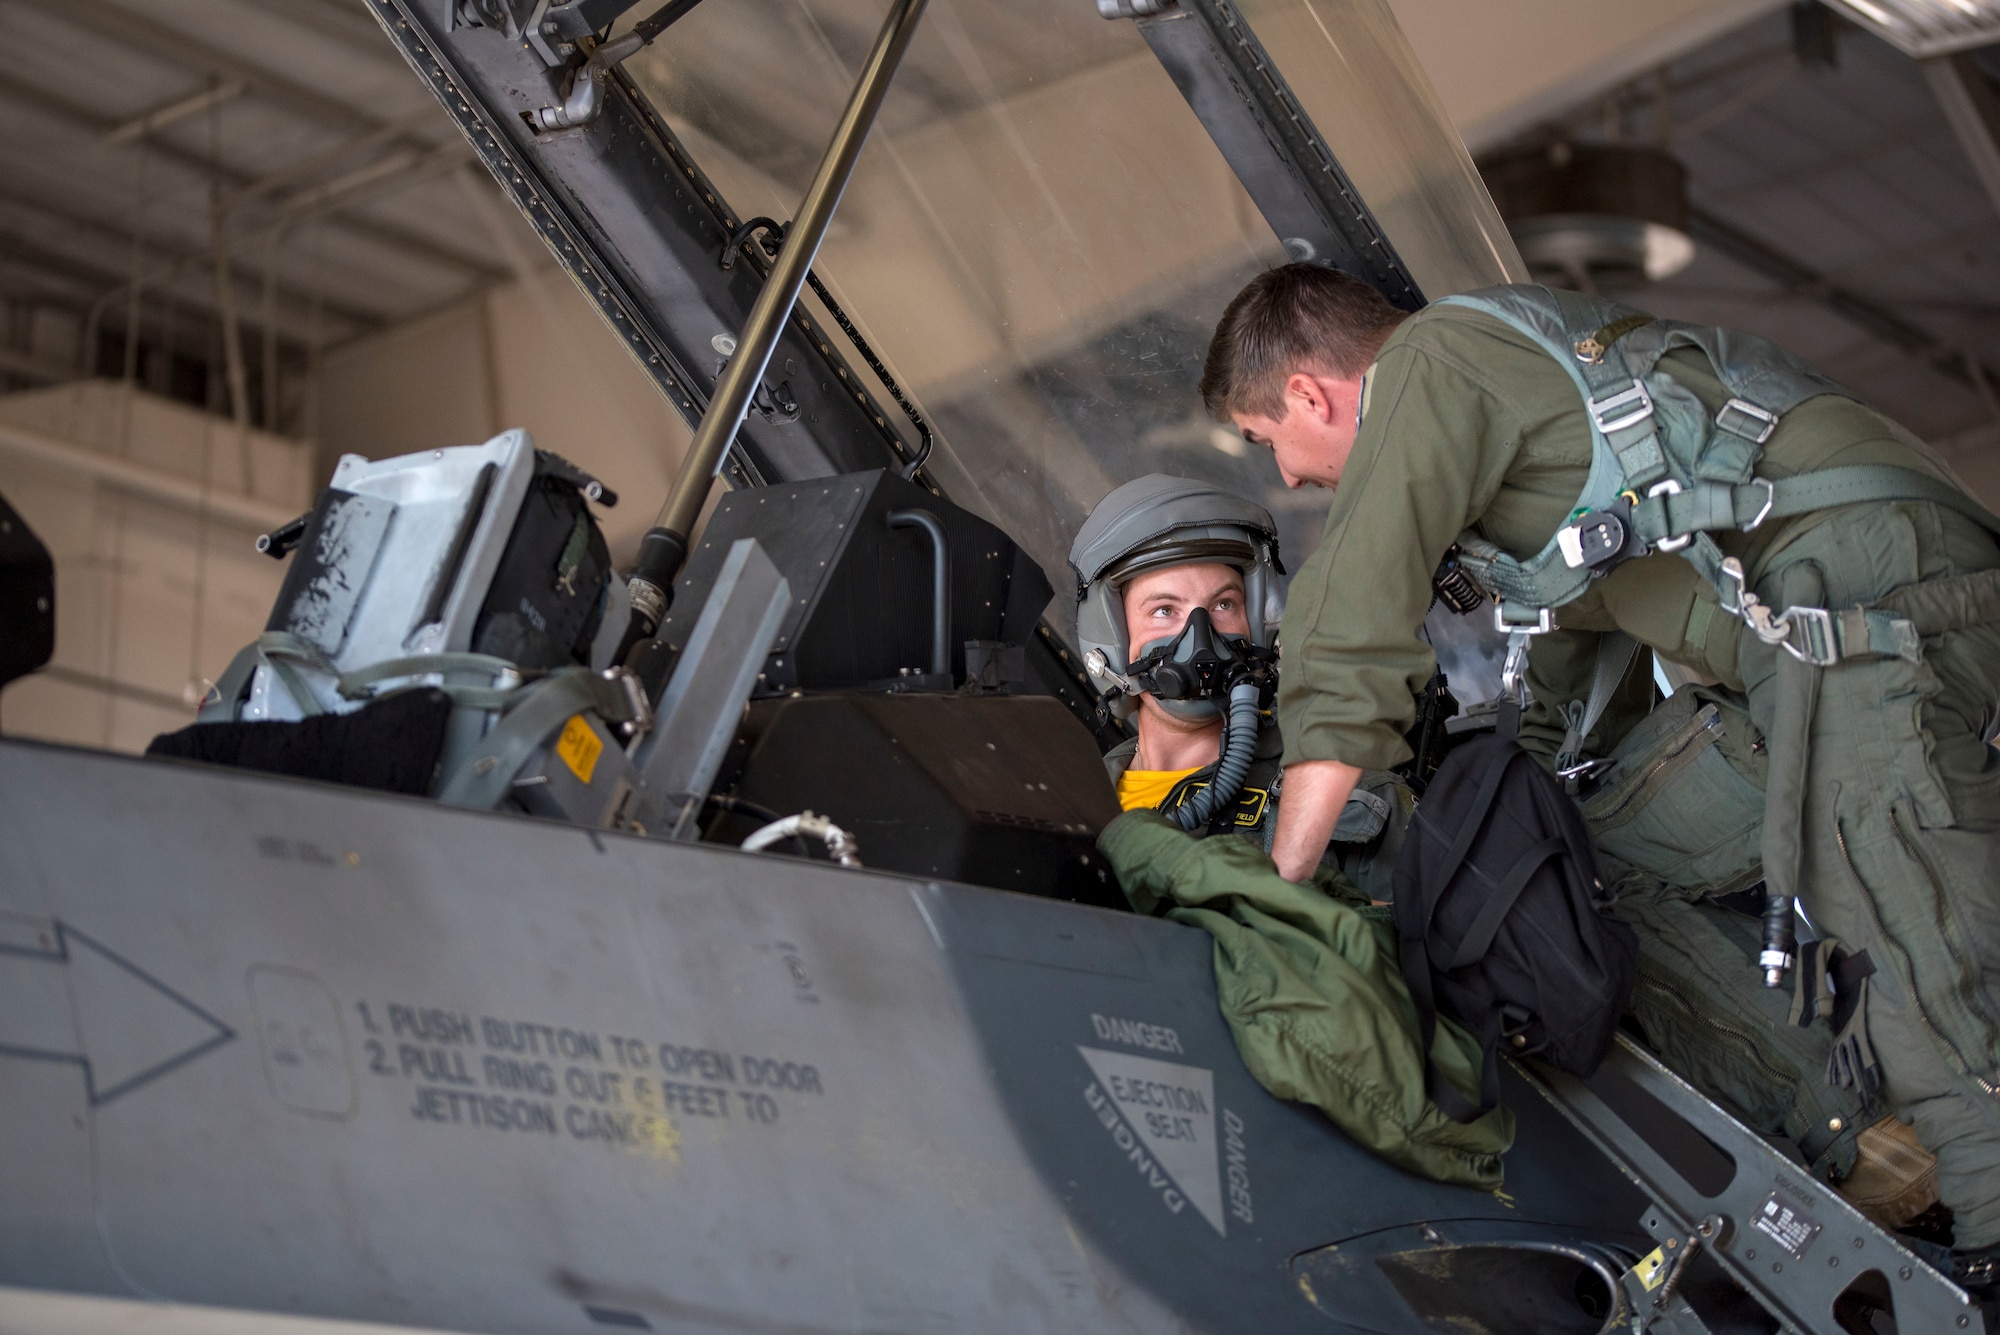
(1310, 395)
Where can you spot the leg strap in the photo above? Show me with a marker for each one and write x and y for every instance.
(535, 713)
(1894, 628)
(1791, 748)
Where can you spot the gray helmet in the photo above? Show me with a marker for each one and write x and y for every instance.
(1151, 523)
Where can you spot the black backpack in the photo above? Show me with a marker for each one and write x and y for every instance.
(1498, 916)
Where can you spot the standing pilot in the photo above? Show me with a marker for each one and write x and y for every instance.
(1717, 501)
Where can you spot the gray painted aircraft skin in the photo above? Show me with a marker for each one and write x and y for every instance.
(274, 1045)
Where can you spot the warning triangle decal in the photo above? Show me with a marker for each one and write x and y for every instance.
(1171, 1111)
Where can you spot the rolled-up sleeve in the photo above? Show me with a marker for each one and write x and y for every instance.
(1428, 458)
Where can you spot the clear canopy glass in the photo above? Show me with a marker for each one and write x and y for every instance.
(1040, 236)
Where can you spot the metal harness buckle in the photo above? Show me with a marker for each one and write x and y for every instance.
(1770, 499)
(1811, 627)
(1518, 634)
(1815, 626)
(1605, 412)
(1544, 622)
(1668, 488)
(1585, 769)
(1766, 421)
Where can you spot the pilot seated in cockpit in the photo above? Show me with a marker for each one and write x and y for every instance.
(1177, 612)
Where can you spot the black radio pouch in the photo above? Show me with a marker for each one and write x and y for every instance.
(1498, 911)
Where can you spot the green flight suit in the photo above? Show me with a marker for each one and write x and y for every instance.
(1470, 425)
(1365, 842)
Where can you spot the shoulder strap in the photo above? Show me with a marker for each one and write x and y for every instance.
(1674, 507)
(1472, 948)
(361, 682)
(1440, 1091)
(537, 711)
(285, 653)
(277, 650)
(1615, 650)
(1578, 332)
(1413, 930)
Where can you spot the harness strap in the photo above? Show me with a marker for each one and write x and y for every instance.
(226, 696)
(1938, 606)
(276, 650)
(1664, 487)
(1615, 651)
(1625, 418)
(1862, 632)
(1901, 620)
(1708, 506)
(1895, 628)
(361, 682)
(1797, 700)
(535, 712)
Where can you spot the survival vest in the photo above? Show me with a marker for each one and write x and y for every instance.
(1664, 475)
(1365, 842)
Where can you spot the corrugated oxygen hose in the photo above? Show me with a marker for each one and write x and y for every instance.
(1237, 750)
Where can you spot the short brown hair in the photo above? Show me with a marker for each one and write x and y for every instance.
(1295, 317)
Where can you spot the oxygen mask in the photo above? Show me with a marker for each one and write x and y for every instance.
(1192, 672)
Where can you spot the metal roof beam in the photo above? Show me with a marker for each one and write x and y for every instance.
(367, 229)
(1972, 107)
(189, 288)
(382, 177)
(158, 39)
(304, 169)
(97, 232)
(342, 20)
(1865, 313)
(25, 278)
(214, 94)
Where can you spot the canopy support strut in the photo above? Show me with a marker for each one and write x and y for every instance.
(664, 548)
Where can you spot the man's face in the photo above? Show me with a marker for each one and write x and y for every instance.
(1157, 603)
(1313, 438)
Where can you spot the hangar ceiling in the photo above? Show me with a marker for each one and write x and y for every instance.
(286, 139)
(1833, 208)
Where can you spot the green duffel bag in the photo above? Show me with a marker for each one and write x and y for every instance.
(1309, 978)
(1682, 804)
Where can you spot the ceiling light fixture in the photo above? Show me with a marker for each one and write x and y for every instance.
(1595, 217)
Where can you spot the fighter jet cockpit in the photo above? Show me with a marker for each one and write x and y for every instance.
(717, 938)
(1053, 289)
(916, 684)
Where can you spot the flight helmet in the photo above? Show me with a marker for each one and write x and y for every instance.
(1151, 523)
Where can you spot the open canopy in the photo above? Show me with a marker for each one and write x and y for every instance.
(1041, 233)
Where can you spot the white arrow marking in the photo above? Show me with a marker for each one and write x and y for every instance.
(129, 1026)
